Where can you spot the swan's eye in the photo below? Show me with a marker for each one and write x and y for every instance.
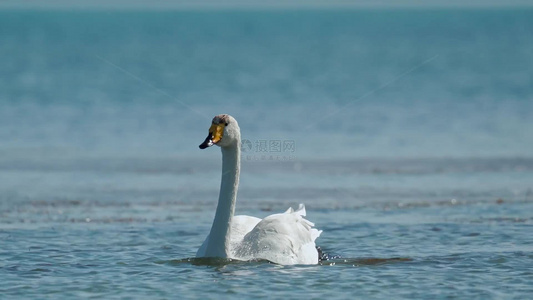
(226, 124)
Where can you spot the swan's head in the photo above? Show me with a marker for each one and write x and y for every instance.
(224, 132)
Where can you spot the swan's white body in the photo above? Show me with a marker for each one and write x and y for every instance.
(285, 238)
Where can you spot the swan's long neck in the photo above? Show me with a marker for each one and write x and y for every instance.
(219, 237)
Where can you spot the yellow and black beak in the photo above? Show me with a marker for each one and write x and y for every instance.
(216, 131)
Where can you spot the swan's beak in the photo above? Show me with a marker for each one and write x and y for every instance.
(215, 135)
(207, 143)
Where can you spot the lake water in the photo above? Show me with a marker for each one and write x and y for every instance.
(407, 134)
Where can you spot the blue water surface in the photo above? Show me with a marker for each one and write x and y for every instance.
(407, 133)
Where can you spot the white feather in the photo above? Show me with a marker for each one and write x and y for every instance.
(285, 239)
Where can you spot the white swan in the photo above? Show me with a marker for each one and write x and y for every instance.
(285, 238)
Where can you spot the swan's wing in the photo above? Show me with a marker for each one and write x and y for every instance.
(240, 226)
(285, 238)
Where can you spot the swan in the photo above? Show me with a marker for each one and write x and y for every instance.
(285, 238)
